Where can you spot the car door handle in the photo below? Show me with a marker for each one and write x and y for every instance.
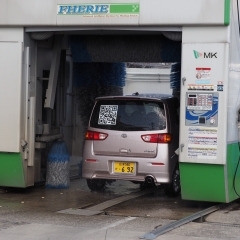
(181, 147)
(123, 150)
(183, 80)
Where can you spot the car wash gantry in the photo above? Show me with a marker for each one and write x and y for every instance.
(50, 52)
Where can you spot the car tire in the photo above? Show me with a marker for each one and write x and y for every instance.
(96, 184)
(173, 189)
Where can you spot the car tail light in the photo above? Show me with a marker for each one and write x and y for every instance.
(157, 138)
(90, 135)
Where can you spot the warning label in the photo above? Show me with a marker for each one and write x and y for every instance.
(202, 143)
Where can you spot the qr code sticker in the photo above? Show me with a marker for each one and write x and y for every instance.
(108, 115)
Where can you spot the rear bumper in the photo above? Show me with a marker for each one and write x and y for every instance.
(102, 168)
(138, 177)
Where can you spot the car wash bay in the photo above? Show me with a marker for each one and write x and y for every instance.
(90, 65)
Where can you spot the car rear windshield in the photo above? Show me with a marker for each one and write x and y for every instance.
(128, 115)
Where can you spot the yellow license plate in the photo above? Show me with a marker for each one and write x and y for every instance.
(124, 167)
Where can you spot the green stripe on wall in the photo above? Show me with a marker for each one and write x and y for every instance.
(202, 182)
(232, 162)
(11, 170)
(124, 8)
(227, 12)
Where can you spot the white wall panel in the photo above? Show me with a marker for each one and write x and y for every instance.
(206, 34)
(184, 12)
(11, 34)
(28, 12)
(10, 95)
(233, 133)
(147, 80)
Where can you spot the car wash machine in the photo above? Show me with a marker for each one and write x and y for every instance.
(209, 88)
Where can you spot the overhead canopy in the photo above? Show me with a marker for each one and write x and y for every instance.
(114, 13)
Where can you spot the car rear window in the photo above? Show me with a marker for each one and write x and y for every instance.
(128, 115)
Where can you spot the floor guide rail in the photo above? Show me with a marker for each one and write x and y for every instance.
(171, 226)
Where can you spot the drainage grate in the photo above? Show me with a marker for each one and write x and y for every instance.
(82, 212)
(169, 227)
(99, 208)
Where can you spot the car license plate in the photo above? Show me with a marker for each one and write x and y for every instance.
(124, 167)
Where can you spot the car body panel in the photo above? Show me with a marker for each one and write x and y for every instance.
(125, 144)
(156, 160)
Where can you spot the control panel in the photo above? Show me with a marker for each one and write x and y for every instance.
(202, 109)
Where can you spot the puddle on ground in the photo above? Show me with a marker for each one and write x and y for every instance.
(155, 204)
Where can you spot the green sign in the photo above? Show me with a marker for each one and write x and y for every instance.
(98, 9)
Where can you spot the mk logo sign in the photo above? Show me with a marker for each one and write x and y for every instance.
(197, 54)
(204, 55)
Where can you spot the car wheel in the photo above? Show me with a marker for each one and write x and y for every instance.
(96, 184)
(173, 189)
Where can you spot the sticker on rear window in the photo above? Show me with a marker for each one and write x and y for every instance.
(108, 115)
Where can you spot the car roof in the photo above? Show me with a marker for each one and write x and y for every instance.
(137, 95)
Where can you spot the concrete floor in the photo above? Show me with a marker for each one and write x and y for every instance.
(33, 214)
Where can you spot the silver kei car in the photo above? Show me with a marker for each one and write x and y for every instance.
(133, 138)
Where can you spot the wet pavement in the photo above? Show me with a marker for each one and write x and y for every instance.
(33, 213)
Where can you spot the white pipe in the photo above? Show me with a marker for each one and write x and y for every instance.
(31, 142)
(27, 79)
